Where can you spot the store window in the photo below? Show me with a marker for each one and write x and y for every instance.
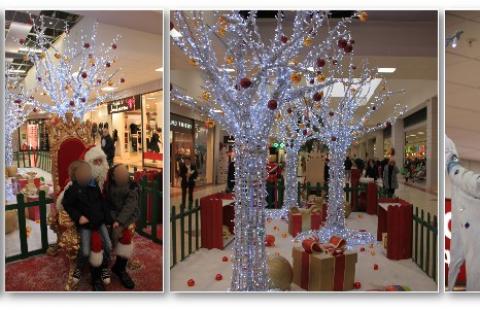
(153, 128)
(415, 151)
(182, 143)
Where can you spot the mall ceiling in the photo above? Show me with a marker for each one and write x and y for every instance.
(462, 83)
(140, 51)
(406, 40)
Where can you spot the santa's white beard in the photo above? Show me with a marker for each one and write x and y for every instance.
(100, 172)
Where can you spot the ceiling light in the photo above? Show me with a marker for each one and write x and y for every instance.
(109, 88)
(228, 69)
(217, 111)
(386, 70)
(175, 34)
(16, 71)
(159, 69)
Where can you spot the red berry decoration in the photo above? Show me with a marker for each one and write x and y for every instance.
(114, 46)
(191, 282)
(334, 139)
(348, 48)
(331, 113)
(107, 65)
(72, 103)
(375, 267)
(84, 75)
(284, 39)
(272, 104)
(245, 82)
(342, 43)
(122, 80)
(218, 277)
(224, 259)
(357, 285)
(321, 62)
(318, 96)
(86, 45)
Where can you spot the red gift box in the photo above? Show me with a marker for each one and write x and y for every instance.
(214, 215)
(304, 219)
(323, 267)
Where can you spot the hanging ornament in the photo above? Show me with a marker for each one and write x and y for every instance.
(206, 95)
(72, 103)
(192, 61)
(363, 16)
(348, 48)
(296, 77)
(229, 60)
(122, 80)
(342, 43)
(84, 75)
(321, 62)
(321, 77)
(307, 41)
(114, 46)
(284, 39)
(318, 96)
(57, 55)
(245, 82)
(86, 45)
(272, 104)
(108, 65)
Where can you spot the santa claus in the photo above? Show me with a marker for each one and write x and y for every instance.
(465, 244)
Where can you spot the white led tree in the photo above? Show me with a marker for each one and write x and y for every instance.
(246, 79)
(75, 76)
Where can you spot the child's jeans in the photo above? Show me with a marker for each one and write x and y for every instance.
(85, 239)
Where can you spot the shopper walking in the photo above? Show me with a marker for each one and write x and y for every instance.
(390, 180)
(188, 174)
(348, 168)
(108, 146)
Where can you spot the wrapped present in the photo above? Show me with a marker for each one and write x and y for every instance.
(314, 201)
(303, 220)
(324, 267)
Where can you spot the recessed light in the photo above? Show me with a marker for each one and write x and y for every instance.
(175, 33)
(386, 70)
(16, 71)
(159, 69)
(228, 69)
(217, 111)
(109, 88)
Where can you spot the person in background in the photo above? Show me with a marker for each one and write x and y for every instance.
(108, 146)
(348, 168)
(371, 171)
(188, 173)
(231, 176)
(390, 181)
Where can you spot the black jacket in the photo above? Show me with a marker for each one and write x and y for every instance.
(87, 201)
(108, 146)
(183, 174)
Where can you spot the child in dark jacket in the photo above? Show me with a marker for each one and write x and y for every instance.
(84, 203)
(122, 194)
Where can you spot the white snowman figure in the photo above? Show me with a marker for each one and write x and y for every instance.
(465, 242)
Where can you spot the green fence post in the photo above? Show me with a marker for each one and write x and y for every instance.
(298, 192)
(197, 224)
(427, 260)
(43, 220)
(182, 232)
(22, 224)
(422, 217)
(155, 207)
(189, 221)
(173, 223)
(415, 255)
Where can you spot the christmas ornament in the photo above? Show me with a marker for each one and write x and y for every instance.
(191, 282)
(219, 277)
(245, 82)
(225, 259)
(280, 272)
(272, 104)
(357, 285)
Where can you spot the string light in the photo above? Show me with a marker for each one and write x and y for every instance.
(71, 77)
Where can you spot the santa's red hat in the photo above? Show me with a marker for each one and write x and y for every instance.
(96, 249)
(124, 246)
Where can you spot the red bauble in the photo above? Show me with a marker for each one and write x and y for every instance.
(362, 249)
(99, 81)
(342, 43)
(17, 101)
(375, 267)
(348, 48)
(289, 110)
(39, 79)
(114, 46)
(218, 277)
(318, 96)
(321, 62)
(86, 45)
(357, 285)
(305, 132)
(272, 104)
(84, 75)
(107, 65)
(270, 240)
(171, 26)
(334, 139)
(83, 100)
(331, 113)
(284, 39)
(224, 259)
(334, 62)
(72, 103)
(245, 82)
(191, 282)
(122, 80)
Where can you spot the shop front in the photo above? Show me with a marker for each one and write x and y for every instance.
(136, 125)
(192, 139)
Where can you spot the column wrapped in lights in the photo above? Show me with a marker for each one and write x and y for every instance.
(345, 109)
(246, 79)
(76, 76)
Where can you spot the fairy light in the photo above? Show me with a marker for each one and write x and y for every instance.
(71, 78)
(265, 76)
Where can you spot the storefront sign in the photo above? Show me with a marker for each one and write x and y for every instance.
(179, 123)
(126, 104)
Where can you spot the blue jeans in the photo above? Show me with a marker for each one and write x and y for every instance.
(85, 239)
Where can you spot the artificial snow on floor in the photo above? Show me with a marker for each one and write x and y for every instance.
(204, 265)
(34, 240)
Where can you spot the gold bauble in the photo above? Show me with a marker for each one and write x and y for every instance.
(110, 83)
(307, 41)
(229, 60)
(320, 77)
(363, 16)
(206, 96)
(57, 55)
(193, 62)
(280, 272)
(296, 77)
